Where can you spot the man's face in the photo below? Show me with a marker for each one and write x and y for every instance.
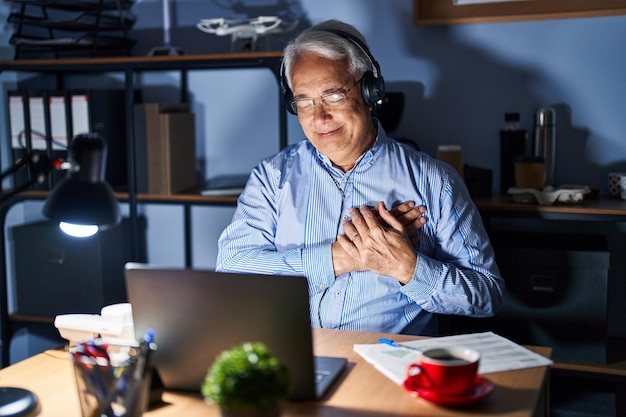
(344, 132)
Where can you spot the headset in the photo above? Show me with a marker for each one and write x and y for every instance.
(372, 83)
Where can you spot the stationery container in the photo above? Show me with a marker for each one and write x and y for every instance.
(114, 382)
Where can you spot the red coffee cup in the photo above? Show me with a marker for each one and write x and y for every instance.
(448, 371)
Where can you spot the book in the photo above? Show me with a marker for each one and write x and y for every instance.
(225, 185)
(178, 154)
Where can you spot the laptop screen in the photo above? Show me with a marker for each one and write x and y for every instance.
(197, 314)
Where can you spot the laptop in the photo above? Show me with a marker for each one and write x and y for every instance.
(197, 314)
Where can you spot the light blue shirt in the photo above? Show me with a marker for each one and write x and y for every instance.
(291, 212)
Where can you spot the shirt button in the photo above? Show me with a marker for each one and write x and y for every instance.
(338, 294)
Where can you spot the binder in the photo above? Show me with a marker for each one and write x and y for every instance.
(58, 120)
(103, 112)
(39, 132)
(17, 130)
(17, 119)
(79, 104)
(38, 123)
(29, 121)
(37, 115)
(57, 131)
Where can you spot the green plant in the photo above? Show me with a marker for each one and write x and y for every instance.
(247, 376)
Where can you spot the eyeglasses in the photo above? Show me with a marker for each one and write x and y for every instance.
(331, 100)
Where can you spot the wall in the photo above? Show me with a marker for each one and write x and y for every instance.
(461, 79)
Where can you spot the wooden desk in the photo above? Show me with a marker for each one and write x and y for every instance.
(361, 390)
(602, 209)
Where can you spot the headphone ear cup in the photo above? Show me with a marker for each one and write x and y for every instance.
(287, 93)
(372, 88)
(287, 97)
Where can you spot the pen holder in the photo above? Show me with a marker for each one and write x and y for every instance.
(112, 380)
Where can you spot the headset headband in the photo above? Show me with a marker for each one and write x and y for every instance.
(359, 44)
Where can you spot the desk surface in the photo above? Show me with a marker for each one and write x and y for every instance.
(591, 207)
(361, 391)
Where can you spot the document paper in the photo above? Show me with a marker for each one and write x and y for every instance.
(497, 354)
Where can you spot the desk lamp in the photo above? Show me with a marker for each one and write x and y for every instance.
(83, 202)
(84, 199)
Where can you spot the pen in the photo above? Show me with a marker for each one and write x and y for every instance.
(397, 345)
(145, 348)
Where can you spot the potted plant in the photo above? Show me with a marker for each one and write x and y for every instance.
(247, 380)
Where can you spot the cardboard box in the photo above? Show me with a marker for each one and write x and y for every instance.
(166, 148)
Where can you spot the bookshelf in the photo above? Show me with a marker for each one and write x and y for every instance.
(129, 67)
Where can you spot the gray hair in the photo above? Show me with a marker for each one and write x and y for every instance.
(321, 40)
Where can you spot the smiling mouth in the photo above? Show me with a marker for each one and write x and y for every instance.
(328, 132)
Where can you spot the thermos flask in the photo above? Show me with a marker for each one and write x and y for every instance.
(545, 140)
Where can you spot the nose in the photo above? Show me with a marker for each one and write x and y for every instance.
(320, 111)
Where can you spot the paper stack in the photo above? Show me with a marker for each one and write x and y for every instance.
(498, 354)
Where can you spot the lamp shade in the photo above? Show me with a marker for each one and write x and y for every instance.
(84, 197)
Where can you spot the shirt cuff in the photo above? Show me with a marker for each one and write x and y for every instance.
(424, 279)
(318, 265)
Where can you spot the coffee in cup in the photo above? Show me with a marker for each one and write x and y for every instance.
(530, 172)
(449, 371)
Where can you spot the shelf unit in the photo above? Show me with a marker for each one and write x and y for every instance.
(440, 12)
(129, 66)
(605, 217)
